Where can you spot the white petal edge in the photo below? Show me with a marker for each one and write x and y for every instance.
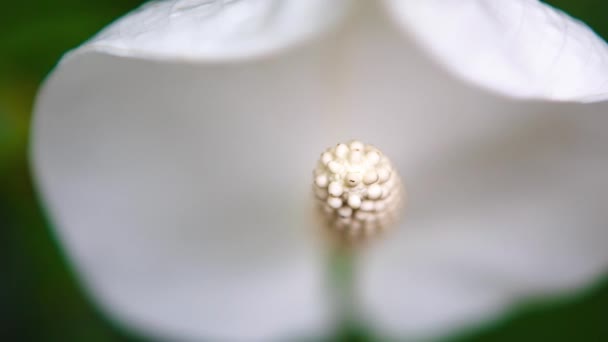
(207, 30)
(505, 196)
(179, 191)
(519, 48)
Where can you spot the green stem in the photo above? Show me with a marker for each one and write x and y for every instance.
(343, 278)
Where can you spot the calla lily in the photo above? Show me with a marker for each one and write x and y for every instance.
(174, 153)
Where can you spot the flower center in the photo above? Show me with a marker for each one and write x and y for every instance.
(358, 191)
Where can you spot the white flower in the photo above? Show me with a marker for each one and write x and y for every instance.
(174, 153)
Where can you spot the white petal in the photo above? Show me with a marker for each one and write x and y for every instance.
(521, 48)
(506, 197)
(181, 191)
(215, 29)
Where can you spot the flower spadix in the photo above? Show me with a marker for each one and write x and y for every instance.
(357, 189)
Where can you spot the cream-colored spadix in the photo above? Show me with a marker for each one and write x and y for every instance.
(357, 189)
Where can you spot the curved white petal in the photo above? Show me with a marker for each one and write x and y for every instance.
(506, 198)
(181, 191)
(521, 48)
(216, 29)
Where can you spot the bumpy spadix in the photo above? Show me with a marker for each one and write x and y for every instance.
(358, 191)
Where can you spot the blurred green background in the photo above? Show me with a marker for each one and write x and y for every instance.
(39, 297)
